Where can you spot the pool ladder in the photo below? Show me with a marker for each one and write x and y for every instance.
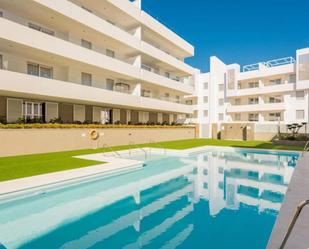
(132, 144)
(106, 146)
(293, 222)
(305, 148)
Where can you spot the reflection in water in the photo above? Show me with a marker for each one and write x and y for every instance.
(213, 200)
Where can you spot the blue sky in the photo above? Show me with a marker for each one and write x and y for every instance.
(236, 31)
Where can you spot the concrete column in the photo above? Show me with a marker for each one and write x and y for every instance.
(137, 90)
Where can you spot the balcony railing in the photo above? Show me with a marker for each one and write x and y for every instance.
(116, 88)
(269, 64)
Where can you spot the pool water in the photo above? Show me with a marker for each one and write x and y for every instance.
(214, 199)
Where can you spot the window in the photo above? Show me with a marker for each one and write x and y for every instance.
(1, 62)
(253, 117)
(275, 116)
(189, 102)
(303, 67)
(146, 93)
(205, 113)
(300, 95)
(237, 116)
(46, 72)
(253, 101)
(221, 87)
(177, 99)
(276, 99)
(110, 53)
(110, 84)
(32, 110)
(275, 82)
(122, 87)
(39, 70)
(221, 101)
(220, 116)
(237, 101)
(33, 69)
(166, 96)
(292, 78)
(167, 74)
(86, 79)
(206, 85)
(1, 14)
(86, 44)
(300, 114)
(205, 99)
(254, 84)
(39, 28)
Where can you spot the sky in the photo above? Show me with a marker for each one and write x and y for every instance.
(236, 31)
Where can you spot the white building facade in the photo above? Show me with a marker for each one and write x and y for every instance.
(266, 95)
(108, 61)
(96, 61)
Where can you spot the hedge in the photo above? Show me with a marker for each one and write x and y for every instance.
(87, 126)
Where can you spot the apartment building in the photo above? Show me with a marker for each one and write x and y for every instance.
(254, 101)
(101, 61)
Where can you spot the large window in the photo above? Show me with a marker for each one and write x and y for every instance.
(122, 87)
(254, 84)
(300, 95)
(253, 117)
(303, 67)
(146, 93)
(275, 99)
(32, 110)
(221, 87)
(275, 82)
(42, 29)
(39, 70)
(86, 79)
(237, 116)
(253, 101)
(110, 84)
(205, 85)
(300, 114)
(110, 53)
(86, 44)
(275, 116)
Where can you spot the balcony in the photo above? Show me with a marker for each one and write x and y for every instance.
(28, 86)
(256, 107)
(35, 40)
(155, 78)
(261, 90)
(97, 22)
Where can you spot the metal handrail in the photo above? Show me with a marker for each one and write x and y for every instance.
(293, 222)
(305, 148)
(110, 148)
(132, 144)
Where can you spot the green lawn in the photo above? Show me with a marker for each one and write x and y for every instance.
(30, 165)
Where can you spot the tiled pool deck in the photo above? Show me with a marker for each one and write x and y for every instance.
(297, 192)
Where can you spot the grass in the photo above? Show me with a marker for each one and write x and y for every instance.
(30, 165)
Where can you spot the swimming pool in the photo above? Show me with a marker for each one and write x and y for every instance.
(211, 199)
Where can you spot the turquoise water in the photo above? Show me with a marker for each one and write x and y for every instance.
(211, 200)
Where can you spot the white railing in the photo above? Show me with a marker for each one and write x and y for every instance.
(269, 64)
